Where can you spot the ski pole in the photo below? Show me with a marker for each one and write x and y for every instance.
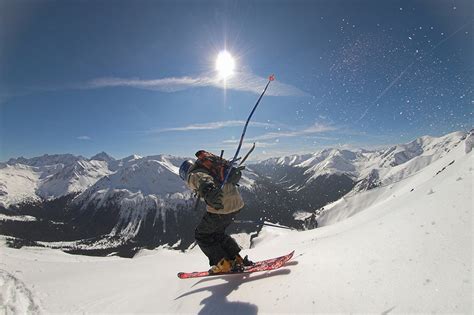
(227, 172)
(247, 155)
(264, 223)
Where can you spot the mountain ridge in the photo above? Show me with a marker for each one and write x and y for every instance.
(143, 200)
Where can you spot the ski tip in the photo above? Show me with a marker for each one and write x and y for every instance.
(271, 77)
(289, 256)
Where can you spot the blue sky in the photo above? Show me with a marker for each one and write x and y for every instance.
(138, 77)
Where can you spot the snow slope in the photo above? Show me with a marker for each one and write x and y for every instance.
(402, 248)
(404, 180)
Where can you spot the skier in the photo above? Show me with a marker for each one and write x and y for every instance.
(222, 207)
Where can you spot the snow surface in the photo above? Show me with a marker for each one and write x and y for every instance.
(403, 248)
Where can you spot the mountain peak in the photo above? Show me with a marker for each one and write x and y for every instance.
(132, 157)
(102, 156)
(47, 159)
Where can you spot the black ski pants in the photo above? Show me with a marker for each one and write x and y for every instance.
(211, 237)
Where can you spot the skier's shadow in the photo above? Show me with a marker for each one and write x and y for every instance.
(217, 302)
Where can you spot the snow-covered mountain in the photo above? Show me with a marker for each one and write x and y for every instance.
(139, 186)
(367, 169)
(53, 176)
(144, 198)
(46, 160)
(47, 177)
(401, 248)
(102, 156)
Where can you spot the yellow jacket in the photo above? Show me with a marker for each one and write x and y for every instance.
(231, 199)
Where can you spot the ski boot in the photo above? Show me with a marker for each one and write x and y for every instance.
(224, 265)
(239, 263)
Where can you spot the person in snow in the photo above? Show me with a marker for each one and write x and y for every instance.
(222, 207)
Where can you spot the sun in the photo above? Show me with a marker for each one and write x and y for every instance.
(225, 64)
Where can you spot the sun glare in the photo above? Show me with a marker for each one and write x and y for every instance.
(225, 64)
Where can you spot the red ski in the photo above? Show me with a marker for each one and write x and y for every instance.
(264, 265)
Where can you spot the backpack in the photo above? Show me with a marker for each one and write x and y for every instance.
(215, 165)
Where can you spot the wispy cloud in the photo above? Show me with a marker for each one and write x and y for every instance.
(213, 125)
(314, 129)
(85, 138)
(245, 146)
(241, 81)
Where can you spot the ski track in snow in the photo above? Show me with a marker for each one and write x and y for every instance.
(15, 297)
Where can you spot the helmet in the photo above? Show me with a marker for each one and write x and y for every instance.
(184, 169)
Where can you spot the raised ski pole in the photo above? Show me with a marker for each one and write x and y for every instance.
(247, 155)
(234, 159)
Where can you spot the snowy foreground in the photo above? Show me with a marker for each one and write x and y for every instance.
(404, 248)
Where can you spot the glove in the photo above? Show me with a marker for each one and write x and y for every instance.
(235, 175)
(212, 195)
